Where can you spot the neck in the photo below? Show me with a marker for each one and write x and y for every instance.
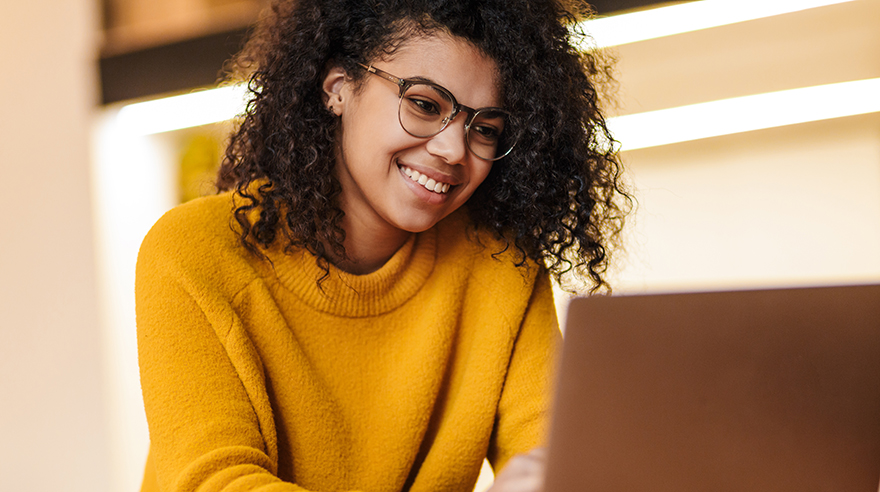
(368, 249)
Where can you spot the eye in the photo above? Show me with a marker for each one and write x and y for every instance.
(423, 105)
(486, 132)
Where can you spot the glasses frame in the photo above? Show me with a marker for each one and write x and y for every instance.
(405, 84)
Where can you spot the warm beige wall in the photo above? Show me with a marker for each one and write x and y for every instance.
(135, 24)
(785, 206)
(52, 435)
(817, 46)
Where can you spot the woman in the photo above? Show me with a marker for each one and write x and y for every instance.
(366, 305)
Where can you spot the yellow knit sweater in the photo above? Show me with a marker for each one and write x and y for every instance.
(402, 379)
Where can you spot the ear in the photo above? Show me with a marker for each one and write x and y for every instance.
(333, 86)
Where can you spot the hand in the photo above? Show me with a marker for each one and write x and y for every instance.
(523, 473)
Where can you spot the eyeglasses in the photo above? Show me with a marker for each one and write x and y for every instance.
(425, 109)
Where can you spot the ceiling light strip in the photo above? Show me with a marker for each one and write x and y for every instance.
(686, 17)
(184, 111)
(743, 114)
(634, 131)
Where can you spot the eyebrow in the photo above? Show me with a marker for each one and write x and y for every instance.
(433, 85)
(419, 78)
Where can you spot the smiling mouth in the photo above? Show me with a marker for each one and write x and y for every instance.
(428, 183)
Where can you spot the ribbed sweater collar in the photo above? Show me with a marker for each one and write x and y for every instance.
(347, 295)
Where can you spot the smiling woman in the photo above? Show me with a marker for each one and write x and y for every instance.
(379, 155)
(379, 316)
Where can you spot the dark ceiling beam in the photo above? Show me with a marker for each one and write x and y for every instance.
(169, 68)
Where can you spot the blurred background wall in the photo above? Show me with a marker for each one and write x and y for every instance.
(792, 205)
(52, 406)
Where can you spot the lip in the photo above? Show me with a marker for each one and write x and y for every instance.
(431, 173)
(422, 192)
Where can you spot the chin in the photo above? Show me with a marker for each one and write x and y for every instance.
(418, 225)
(417, 228)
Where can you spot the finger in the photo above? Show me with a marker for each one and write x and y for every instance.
(539, 453)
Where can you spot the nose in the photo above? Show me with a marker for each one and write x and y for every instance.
(450, 144)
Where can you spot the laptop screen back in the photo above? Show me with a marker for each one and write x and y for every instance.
(728, 391)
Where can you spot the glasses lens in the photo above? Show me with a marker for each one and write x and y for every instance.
(425, 109)
(488, 134)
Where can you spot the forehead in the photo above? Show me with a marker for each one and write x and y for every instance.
(450, 61)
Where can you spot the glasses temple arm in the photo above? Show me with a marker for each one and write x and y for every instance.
(385, 75)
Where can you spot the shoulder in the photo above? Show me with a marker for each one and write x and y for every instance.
(196, 239)
(485, 256)
(458, 233)
(498, 289)
(192, 225)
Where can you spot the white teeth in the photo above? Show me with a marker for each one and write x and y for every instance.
(428, 183)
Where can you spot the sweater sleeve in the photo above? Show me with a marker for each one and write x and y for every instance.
(204, 430)
(523, 410)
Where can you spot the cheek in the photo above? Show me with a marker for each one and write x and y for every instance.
(373, 133)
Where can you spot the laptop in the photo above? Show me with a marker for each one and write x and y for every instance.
(763, 390)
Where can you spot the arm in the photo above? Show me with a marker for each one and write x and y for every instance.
(523, 411)
(204, 430)
(211, 422)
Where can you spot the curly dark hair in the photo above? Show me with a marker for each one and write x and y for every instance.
(558, 199)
